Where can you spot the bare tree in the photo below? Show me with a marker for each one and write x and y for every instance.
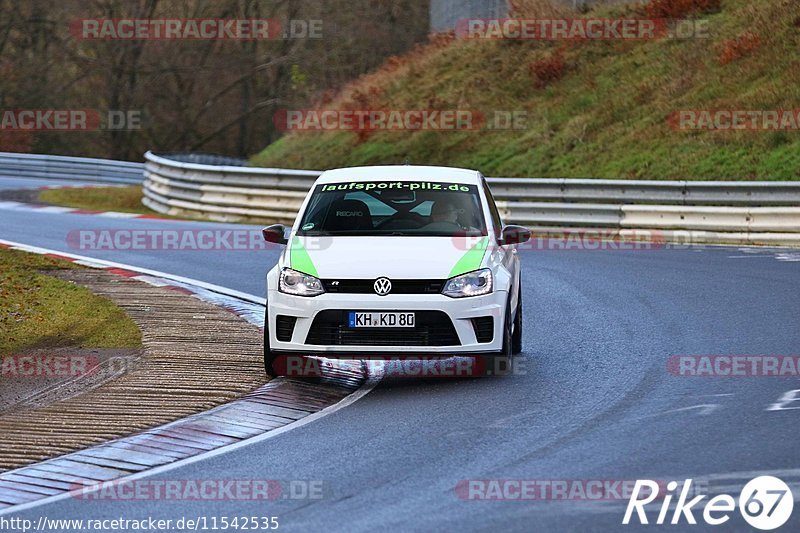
(199, 95)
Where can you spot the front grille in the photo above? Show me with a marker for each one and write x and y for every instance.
(284, 327)
(399, 286)
(484, 328)
(432, 328)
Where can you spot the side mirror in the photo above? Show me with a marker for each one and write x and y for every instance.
(514, 235)
(275, 233)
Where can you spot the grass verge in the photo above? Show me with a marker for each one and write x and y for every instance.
(39, 311)
(119, 199)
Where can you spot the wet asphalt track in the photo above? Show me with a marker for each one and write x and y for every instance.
(593, 399)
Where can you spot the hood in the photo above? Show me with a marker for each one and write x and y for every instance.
(392, 257)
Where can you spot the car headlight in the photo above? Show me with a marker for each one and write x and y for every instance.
(299, 284)
(475, 283)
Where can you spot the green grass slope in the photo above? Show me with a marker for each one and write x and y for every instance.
(602, 112)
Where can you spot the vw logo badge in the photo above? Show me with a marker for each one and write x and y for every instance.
(382, 286)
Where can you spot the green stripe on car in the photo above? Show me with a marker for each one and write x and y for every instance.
(472, 259)
(301, 261)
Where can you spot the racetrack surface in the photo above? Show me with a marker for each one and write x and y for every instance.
(593, 400)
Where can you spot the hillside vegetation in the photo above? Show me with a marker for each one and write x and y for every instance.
(595, 109)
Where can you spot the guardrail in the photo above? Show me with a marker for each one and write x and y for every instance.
(222, 188)
(723, 193)
(224, 193)
(728, 212)
(13, 165)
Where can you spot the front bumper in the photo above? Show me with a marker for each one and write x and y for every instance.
(460, 311)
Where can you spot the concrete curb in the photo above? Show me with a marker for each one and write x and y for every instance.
(277, 407)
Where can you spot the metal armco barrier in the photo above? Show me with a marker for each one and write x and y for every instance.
(224, 193)
(720, 193)
(712, 211)
(221, 188)
(14, 165)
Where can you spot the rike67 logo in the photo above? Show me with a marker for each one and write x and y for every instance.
(765, 503)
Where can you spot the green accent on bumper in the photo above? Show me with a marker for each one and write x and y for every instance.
(300, 260)
(472, 259)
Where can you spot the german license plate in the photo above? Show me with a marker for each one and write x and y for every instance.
(381, 320)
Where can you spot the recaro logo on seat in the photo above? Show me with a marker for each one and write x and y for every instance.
(382, 286)
(349, 213)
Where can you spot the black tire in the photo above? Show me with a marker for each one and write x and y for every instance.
(502, 363)
(516, 336)
(508, 337)
(269, 356)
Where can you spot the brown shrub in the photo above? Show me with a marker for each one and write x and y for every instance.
(548, 70)
(743, 45)
(369, 87)
(674, 9)
(537, 9)
(16, 141)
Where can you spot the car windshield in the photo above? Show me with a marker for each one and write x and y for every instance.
(394, 208)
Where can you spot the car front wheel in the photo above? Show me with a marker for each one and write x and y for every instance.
(516, 335)
(508, 332)
(500, 363)
(269, 356)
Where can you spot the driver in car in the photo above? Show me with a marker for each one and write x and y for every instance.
(444, 216)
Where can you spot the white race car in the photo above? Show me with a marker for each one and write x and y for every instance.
(395, 260)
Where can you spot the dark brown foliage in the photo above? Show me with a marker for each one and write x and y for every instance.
(673, 9)
(548, 70)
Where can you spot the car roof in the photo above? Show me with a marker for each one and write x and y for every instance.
(400, 173)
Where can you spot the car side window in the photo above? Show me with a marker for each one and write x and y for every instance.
(497, 222)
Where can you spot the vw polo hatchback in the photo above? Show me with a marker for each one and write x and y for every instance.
(395, 260)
